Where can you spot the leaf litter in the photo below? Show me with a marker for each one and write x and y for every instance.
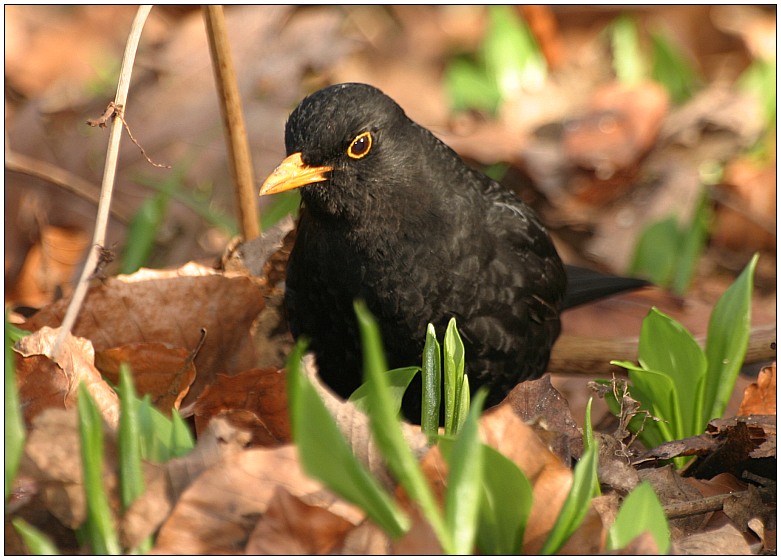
(210, 342)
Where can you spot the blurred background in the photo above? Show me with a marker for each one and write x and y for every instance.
(644, 136)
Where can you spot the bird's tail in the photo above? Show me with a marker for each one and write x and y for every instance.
(585, 285)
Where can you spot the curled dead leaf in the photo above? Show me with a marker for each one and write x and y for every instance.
(171, 307)
(760, 396)
(44, 383)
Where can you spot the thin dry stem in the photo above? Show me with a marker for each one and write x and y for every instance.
(239, 159)
(107, 188)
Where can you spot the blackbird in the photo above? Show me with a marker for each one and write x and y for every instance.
(392, 215)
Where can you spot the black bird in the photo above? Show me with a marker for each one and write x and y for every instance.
(392, 215)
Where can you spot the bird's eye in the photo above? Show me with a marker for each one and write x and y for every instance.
(360, 146)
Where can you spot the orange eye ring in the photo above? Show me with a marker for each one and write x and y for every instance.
(360, 146)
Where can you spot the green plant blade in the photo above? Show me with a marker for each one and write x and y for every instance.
(651, 258)
(469, 87)
(656, 393)
(505, 505)
(182, 441)
(463, 397)
(668, 348)
(131, 477)
(36, 541)
(464, 482)
(692, 242)
(672, 69)
(640, 512)
(387, 432)
(454, 375)
(512, 58)
(14, 424)
(142, 232)
(590, 443)
(728, 332)
(576, 505)
(326, 456)
(628, 62)
(160, 438)
(398, 381)
(432, 384)
(102, 536)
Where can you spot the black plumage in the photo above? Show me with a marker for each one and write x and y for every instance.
(392, 215)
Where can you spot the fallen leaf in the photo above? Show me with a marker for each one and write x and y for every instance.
(292, 526)
(52, 457)
(725, 540)
(760, 396)
(44, 383)
(255, 400)
(217, 513)
(172, 307)
(160, 370)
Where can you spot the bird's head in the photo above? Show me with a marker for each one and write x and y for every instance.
(351, 149)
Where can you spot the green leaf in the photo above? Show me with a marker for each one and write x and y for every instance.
(463, 397)
(182, 441)
(656, 393)
(640, 512)
(142, 232)
(628, 61)
(652, 257)
(647, 428)
(102, 536)
(131, 476)
(728, 332)
(668, 348)
(432, 384)
(513, 59)
(454, 375)
(398, 380)
(469, 87)
(692, 241)
(280, 206)
(387, 432)
(505, 505)
(326, 456)
(464, 482)
(14, 424)
(36, 541)
(576, 505)
(590, 443)
(672, 69)
(161, 438)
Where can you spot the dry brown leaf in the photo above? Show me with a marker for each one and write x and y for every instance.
(746, 219)
(164, 484)
(620, 128)
(760, 396)
(46, 384)
(160, 370)
(291, 526)
(255, 400)
(52, 457)
(366, 539)
(217, 513)
(49, 266)
(540, 404)
(172, 307)
(419, 540)
(725, 540)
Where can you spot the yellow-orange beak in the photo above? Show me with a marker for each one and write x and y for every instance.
(293, 173)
